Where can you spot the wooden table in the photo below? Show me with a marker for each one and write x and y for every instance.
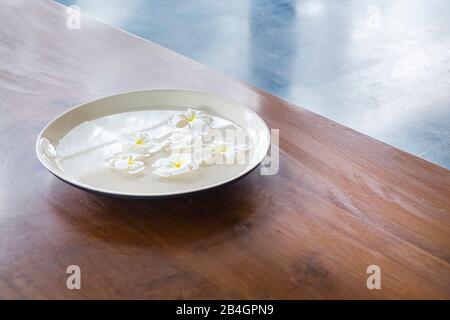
(340, 202)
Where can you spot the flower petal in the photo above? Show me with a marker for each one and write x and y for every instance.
(181, 170)
(109, 162)
(199, 126)
(136, 167)
(206, 119)
(161, 162)
(121, 164)
(162, 171)
(178, 120)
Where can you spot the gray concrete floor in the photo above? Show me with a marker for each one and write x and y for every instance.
(381, 67)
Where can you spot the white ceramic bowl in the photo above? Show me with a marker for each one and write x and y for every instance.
(74, 146)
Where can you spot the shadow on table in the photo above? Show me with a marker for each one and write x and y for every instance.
(178, 221)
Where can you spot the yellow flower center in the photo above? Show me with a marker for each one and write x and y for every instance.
(139, 141)
(221, 149)
(191, 118)
(177, 164)
(130, 161)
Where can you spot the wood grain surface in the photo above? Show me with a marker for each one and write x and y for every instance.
(340, 202)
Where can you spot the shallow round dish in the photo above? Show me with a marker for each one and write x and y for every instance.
(76, 145)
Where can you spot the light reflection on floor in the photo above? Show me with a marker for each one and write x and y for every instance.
(380, 67)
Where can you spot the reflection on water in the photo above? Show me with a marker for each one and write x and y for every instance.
(380, 67)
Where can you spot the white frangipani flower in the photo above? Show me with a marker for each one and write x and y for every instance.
(132, 163)
(225, 150)
(138, 142)
(196, 120)
(175, 164)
